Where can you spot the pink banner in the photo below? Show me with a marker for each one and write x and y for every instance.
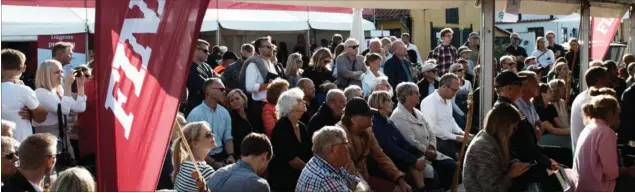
(603, 31)
(143, 53)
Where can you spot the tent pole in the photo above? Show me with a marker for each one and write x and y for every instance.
(308, 43)
(487, 54)
(218, 35)
(585, 39)
(631, 38)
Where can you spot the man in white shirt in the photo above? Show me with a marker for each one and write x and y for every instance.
(437, 110)
(257, 73)
(405, 38)
(596, 78)
(19, 103)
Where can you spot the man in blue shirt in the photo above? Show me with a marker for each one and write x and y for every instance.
(218, 117)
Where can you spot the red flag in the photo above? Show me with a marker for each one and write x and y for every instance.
(604, 30)
(143, 50)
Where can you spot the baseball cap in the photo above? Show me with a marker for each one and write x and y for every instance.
(427, 66)
(464, 49)
(473, 34)
(229, 55)
(507, 78)
(358, 106)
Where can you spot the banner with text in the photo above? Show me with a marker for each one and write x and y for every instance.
(45, 45)
(602, 33)
(143, 52)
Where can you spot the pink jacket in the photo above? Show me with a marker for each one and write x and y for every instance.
(595, 158)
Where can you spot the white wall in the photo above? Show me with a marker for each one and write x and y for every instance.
(548, 26)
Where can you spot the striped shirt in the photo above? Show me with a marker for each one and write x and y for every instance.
(184, 181)
(320, 176)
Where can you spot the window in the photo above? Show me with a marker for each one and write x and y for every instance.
(510, 30)
(539, 31)
(452, 16)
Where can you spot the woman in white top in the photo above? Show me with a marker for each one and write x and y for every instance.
(544, 56)
(200, 138)
(373, 62)
(51, 92)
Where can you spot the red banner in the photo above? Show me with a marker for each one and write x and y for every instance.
(603, 31)
(143, 51)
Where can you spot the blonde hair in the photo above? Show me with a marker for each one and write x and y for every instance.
(43, 74)
(377, 98)
(558, 67)
(75, 179)
(192, 133)
(600, 106)
(556, 85)
(292, 66)
(544, 44)
(324, 139)
(239, 93)
(318, 56)
(36, 149)
(385, 41)
(275, 89)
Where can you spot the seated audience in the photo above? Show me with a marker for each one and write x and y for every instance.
(9, 158)
(558, 101)
(76, 179)
(165, 177)
(306, 85)
(369, 80)
(200, 138)
(291, 142)
(330, 112)
(240, 121)
(325, 170)
(293, 70)
(269, 112)
(555, 133)
(244, 175)
(382, 84)
(429, 82)
(596, 157)
(37, 160)
(406, 157)
(218, 119)
(415, 129)
(437, 110)
(488, 167)
(357, 124)
(318, 70)
(353, 91)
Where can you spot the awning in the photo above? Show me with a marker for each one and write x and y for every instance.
(261, 20)
(335, 21)
(30, 20)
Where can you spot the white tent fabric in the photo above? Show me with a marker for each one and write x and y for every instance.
(31, 20)
(336, 21)
(261, 20)
(357, 31)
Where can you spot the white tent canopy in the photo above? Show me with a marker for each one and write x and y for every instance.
(24, 23)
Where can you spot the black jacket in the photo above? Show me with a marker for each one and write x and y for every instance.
(195, 79)
(17, 183)
(524, 147)
(395, 71)
(324, 117)
(311, 109)
(627, 124)
(318, 78)
(423, 87)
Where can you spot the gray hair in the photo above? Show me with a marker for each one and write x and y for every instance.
(350, 92)
(529, 74)
(288, 100)
(377, 98)
(383, 80)
(75, 179)
(351, 42)
(404, 89)
(507, 57)
(325, 138)
(247, 48)
(7, 125)
(303, 81)
(446, 79)
(330, 96)
(374, 41)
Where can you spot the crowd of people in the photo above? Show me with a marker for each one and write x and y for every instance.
(337, 120)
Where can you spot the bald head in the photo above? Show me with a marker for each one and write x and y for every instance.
(399, 47)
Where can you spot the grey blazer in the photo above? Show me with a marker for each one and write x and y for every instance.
(485, 170)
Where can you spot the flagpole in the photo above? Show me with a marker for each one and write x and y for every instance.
(190, 155)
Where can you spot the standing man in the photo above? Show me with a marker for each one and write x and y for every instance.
(473, 44)
(596, 78)
(350, 66)
(335, 40)
(445, 53)
(437, 110)
(558, 50)
(515, 49)
(405, 37)
(232, 72)
(243, 176)
(63, 53)
(220, 121)
(199, 72)
(397, 68)
(256, 75)
(228, 58)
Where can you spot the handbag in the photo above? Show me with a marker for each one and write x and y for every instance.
(64, 158)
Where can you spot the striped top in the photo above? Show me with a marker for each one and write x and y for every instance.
(184, 181)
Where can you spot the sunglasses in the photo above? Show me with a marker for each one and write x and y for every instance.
(327, 61)
(10, 156)
(208, 134)
(354, 47)
(204, 50)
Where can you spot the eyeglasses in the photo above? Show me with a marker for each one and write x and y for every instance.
(268, 47)
(10, 156)
(222, 89)
(453, 89)
(204, 50)
(354, 47)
